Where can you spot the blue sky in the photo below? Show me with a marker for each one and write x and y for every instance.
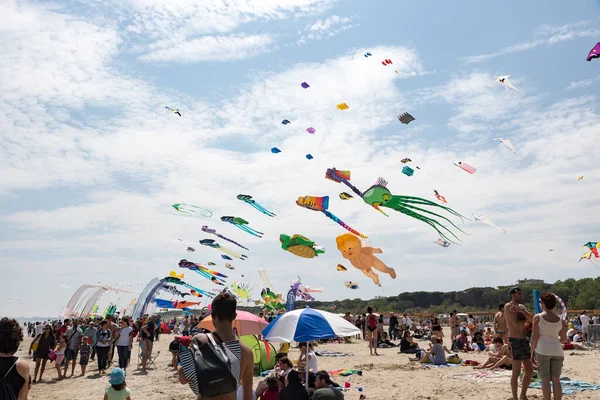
(91, 161)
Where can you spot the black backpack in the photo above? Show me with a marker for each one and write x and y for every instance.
(6, 390)
(212, 367)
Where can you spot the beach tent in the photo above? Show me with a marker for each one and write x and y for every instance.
(262, 360)
(165, 328)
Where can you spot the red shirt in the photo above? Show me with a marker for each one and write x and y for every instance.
(269, 395)
(63, 329)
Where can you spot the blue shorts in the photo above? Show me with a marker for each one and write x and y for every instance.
(70, 354)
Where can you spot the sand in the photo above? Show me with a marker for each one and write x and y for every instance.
(389, 376)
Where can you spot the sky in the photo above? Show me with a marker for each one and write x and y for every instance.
(91, 161)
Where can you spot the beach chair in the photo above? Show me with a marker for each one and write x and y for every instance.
(151, 359)
(593, 336)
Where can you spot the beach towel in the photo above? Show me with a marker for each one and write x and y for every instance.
(569, 386)
(439, 366)
(494, 376)
(326, 353)
(345, 372)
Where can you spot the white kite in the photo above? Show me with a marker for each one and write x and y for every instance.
(506, 82)
(487, 221)
(507, 143)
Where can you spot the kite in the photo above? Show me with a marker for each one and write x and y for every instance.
(368, 55)
(190, 249)
(507, 143)
(345, 196)
(173, 110)
(341, 268)
(363, 258)
(593, 246)
(173, 290)
(246, 198)
(285, 122)
(275, 150)
(175, 304)
(580, 178)
(303, 291)
(387, 61)
(442, 243)
(229, 266)
(242, 224)
(503, 79)
(594, 53)
(202, 270)
(322, 204)
(408, 171)
(226, 257)
(242, 290)
(265, 278)
(191, 209)
(300, 246)
(379, 195)
(439, 196)
(487, 221)
(272, 301)
(466, 167)
(350, 285)
(405, 160)
(215, 245)
(405, 118)
(310, 130)
(396, 71)
(305, 85)
(309, 156)
(342, 106)
(194, 293)
(206, 229)
(212, 264)
(176, 275)
(178, 281)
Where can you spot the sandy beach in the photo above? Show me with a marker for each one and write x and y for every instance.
(389, 376)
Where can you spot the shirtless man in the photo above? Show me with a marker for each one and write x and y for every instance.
(516, 315)
(500, 328)
(454, 326)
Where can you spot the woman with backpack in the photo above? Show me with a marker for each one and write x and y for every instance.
(14, 373)
(372, 327)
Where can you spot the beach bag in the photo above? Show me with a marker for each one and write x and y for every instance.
(212, 368)
(6, 391)
(36, 343)
(52, 355)
(372, 321)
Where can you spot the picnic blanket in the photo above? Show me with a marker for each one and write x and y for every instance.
(428, 365)
(569, 386)
(495, 376)
(345, 372)
(326, 353)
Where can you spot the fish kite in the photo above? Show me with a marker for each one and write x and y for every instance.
(176, 275)
(322, 204)
(178, 281)
(341, 268)
(351, 285)
(191, 209)
(442, 243)
(226, 257)
(300, 246)
(387, 61)
(275, 150)
(507, 143)
(212, 264)
(173, 110)
(345, 196)
(242, 224)
(408, 171)
(439, 196)
(206, 229)
(202, 270)
(175, 304)
(305, 85)
(342, 106)
(194, 293)
(405, 160)
(368, 55)
(405, 118)
(173, 290)
(229, 266)
(594, 53)
(309, 156)
(215, 245)
(190, 249)
(487, 221)
(503, 79)
(311, 130)
(379, 195)
(580, 178)
(285, 122)
(246, 198)
(466, 167)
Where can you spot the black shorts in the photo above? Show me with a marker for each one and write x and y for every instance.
(371, 329)
(519, 349)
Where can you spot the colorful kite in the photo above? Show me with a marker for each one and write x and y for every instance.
(229, 266)
(173, 290)
(368, 55)
(341, 268)
(387, 61)
(175, 304)
(190, 249)
(215, 245)
(176, 275)
(242, 290)
(206, 229)
(408, 171)
(178, 281)
(405, 118)
(246, 198)
(285, 122)
(212, 264)
(275, 150)
(487, 221)
(594, 53)
(362, 258)
(580, 178)
(322, 204)
(300, 246)
(439, 196)
(311, 130)
(191, 210)
(466, 167)
(173, 110)
(342, 106)
(507, 143)
(309, 156)
(203, 271)
(351, 285)
(379, 195)
(593, 246)
(405, 160)
(194, 293)
(442, 243)
(345, 196)
(503, 79)
(305, 85)
(242, 224)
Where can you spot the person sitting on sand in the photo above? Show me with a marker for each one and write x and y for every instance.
(489, 336)
(436, 353)
(408, 344)
(294, 389)
(272, 390)
(308, 358)
(477, 343)
(462, 342)
(500, 358)
(325, 389)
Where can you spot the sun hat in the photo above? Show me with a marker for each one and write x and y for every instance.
(117, 376)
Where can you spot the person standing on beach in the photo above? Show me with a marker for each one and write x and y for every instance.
(13, 372)
(500, 328)
(147, 335)
(372, 327)
(516, 315)
(74, 336)
(454, 326)
(90, 332)
(393, 331)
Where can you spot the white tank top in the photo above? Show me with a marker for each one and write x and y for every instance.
(548, 341)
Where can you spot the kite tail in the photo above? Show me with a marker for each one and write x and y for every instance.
(425, 202)
(231, 253)
(251, 231)
(341, 223)
(262, 209)
(232, 241)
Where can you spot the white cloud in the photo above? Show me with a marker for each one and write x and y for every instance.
(582, 84)
(548, 36)
(326, 28)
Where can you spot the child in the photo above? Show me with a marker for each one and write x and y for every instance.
(118, 389)
(84, 354)
(60, 354)
(272, 392)
(174, 348)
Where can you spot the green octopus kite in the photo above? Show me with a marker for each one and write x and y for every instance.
(379, 195)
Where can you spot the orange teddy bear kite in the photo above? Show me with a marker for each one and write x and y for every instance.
(362, 257)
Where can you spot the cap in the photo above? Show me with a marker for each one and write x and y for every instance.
(515, 290)
(117, 376)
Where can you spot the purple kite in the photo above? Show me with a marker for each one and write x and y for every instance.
(310, 130)
(305, 85)
(595, 52)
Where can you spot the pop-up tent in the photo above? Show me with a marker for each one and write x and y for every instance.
(165, 328)
(264, 357)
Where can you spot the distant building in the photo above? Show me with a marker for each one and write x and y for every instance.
(530, 282)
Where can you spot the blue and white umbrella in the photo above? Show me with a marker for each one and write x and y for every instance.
(306, 325)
